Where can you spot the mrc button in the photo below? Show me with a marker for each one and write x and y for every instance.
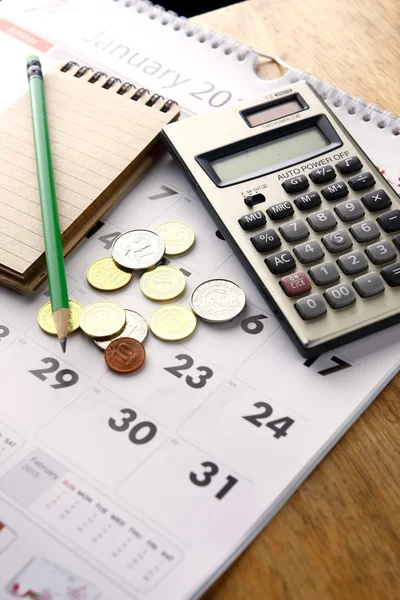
(280, 211)
(252, 220)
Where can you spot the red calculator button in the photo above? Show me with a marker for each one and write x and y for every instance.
(296, 284)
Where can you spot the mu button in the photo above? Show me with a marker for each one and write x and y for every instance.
(252, 220)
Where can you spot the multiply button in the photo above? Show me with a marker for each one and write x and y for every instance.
(266, 241)
(296, 284)
(280, 262)
(335, 191)
(376, 200)
(363, 181)
(323, 174)
(280, 211)
(252, 220)
(295, 184)
(308, 201)
(349, 165)
(255, 199)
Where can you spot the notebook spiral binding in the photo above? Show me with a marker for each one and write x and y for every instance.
(367, 111)
(123, 87)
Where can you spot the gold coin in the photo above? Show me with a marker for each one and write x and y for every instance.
(102, 319)
(177, 237)
(162, 283)
(45, 318)
(104, 274)
(172, 323)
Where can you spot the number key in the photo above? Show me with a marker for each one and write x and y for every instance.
(311, 307)
(349, 211)
(308, 252)
(338, 241)
(324, 274)
(381, 252)
(294, 231)
(340, 295)
(353, 262)
(322, 221)
(365, 231)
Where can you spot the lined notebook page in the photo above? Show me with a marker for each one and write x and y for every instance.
(95, 134)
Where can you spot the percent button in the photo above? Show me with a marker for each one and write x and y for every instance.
(266, 241)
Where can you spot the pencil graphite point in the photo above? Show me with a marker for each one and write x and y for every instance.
(63, 344)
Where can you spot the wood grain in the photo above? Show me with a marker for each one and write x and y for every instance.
(339, 535)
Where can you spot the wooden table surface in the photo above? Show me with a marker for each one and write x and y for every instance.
(338, 537)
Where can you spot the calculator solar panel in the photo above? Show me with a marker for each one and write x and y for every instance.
(305, 210)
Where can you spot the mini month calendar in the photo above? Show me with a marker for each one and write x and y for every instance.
(149, 486)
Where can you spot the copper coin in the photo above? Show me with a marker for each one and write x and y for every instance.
(124, 355)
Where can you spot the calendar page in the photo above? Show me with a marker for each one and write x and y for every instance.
(148, 486)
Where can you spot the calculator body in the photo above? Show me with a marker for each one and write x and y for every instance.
(305, 210)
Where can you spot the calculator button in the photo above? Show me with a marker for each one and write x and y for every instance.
(369, 285)
(322, 221)
(340, 295)
(353, 262)
(349, 165)
(280, 211)
(253, 220)
(335, 191)
(396, 241)
(324, 274)
(381, 252)
(363, 181)
(280, 262)
(311, 307)
(294, 231)
(296, 284)
(295, 184)
(391, 274)
(338, 241)
(255, 199)
(365, 231)
(351, 210)
(376, 200)
(266, 241)
(390, 221)
(322, 174)
(308, 201)
(308, 252)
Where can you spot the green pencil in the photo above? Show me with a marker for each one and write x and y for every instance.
(48, 202)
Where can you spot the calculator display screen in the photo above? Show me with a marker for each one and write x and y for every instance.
(270, 153)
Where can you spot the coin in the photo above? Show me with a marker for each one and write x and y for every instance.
(136, 328)
(124, 355)
(178, 237)
(102, 319)
(104, 274)
(217, 300)
(138, 249)
(163, 283)
(173, 322)
(45, 318)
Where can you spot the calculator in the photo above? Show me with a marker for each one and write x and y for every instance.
(305, 210)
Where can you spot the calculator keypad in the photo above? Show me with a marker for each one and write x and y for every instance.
(329, 239)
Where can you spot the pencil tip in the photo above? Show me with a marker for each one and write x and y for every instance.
(63, 344)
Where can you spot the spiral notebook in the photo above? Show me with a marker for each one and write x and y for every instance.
(147, 488)
(101, 132)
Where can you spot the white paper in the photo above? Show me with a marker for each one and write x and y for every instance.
(147, 486)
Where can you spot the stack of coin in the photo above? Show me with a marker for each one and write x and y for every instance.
(121, 332)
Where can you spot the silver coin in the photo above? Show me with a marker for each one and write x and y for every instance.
(136, 328)
(138, 249)
(217, 300)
